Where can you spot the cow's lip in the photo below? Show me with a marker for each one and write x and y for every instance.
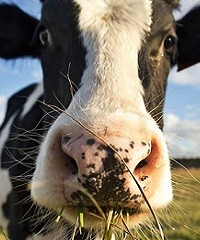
(119, 210)
(95, 212)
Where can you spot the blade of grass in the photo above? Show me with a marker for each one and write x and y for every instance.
(59, 215)
(108, 228)
(81, 218)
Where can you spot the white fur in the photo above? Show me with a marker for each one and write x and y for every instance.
(5, 184)
(112, 32)
(5, 133)
(35, 95)
(5, 188)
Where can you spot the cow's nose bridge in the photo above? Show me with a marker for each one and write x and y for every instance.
(105, 169)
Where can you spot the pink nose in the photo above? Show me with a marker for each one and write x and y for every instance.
(103, 167)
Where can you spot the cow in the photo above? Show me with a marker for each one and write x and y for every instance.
(23, 116)
(87, 143)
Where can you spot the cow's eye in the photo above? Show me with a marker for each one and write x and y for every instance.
(169, 43)
(44, 36)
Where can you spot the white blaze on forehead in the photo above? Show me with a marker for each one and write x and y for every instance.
(135, 14)
(112, 32)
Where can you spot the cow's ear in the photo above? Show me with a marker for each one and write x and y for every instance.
(188, 31)
(16, 31)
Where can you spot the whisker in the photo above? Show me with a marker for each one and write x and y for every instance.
(127, 228)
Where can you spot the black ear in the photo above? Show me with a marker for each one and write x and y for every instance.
(16, 31)
(188, 31)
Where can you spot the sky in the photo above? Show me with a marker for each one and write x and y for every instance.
(182, 106)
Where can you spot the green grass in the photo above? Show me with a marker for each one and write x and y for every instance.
(2, 237)
(181, 220)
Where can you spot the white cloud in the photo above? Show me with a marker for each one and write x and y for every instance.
(2, 101)
(183, 136)
(188, 76)
(192, 112)
(171, 120)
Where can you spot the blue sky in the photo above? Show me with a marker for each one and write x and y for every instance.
(182, 108)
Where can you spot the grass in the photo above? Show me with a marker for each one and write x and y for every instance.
(181, 220)
(2, 236)
(183, 216)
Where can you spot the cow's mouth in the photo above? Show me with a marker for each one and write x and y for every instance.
(91, 217)
(117, 210)
(88, 219)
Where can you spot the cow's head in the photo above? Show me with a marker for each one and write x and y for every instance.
(118, 53)
(105, 66)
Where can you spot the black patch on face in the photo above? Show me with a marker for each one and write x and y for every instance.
(66, 52)
(91, 141)
(153, 71)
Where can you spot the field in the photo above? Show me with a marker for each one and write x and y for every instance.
(181, 220)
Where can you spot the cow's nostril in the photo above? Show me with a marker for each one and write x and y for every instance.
(141, 164)
(71, 165)
(151, 162)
